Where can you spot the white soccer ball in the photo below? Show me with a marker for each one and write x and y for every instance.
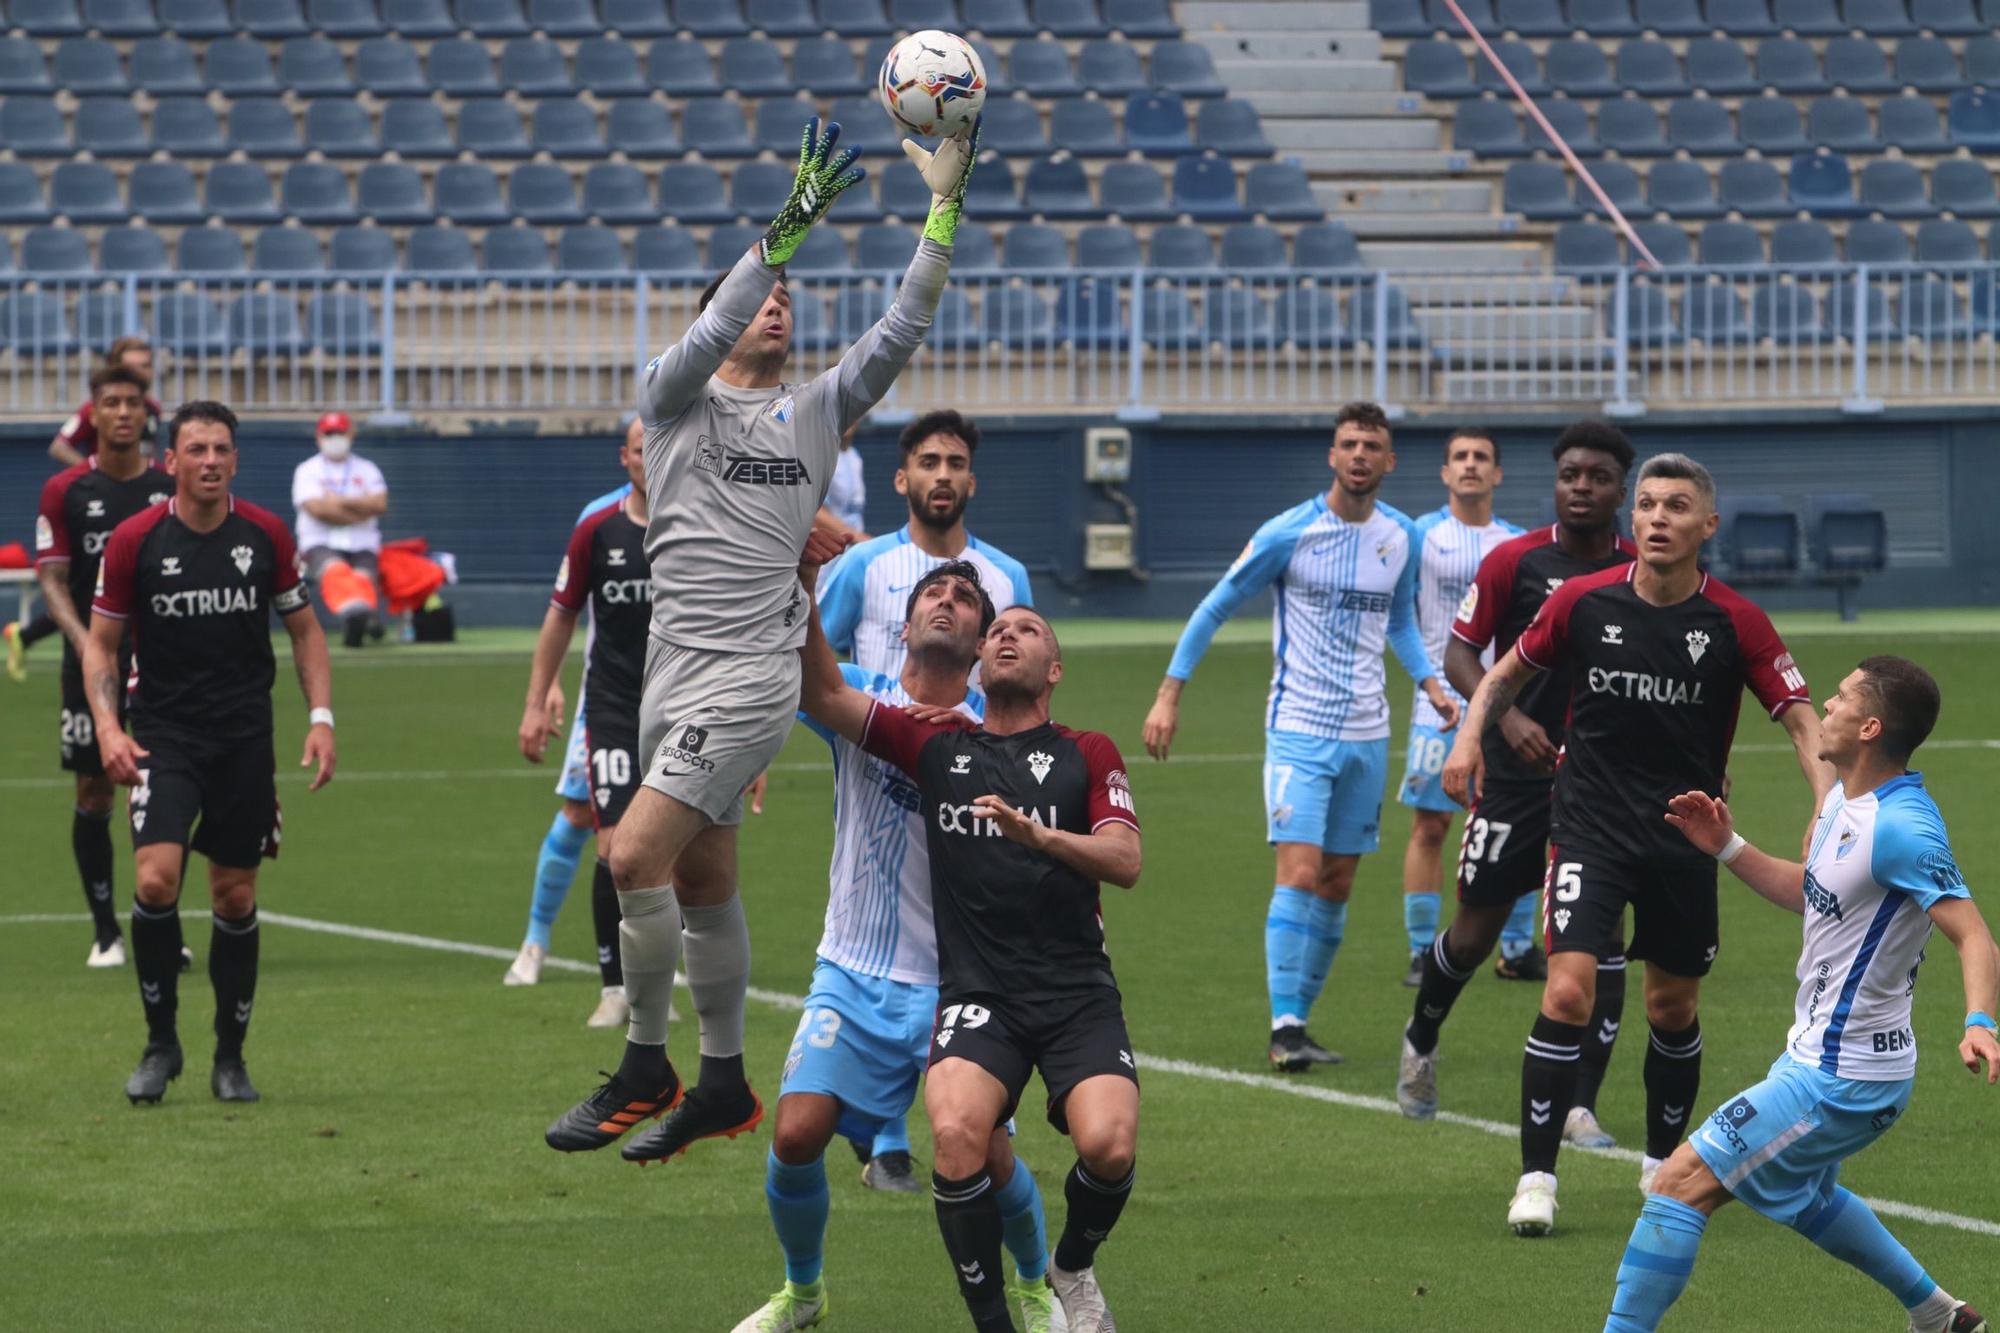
(933, 84)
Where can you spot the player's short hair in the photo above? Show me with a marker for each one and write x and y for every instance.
(1599, 437)
(202, 409)
(131, 342)
(1366, 414)
(1906, 700)
(708, 292)
(1472, 433)
(1679, 467)
(114, 373)
(944, 421)
(959, 569)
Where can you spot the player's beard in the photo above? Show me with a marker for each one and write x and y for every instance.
(920, 510)
(1364, 492)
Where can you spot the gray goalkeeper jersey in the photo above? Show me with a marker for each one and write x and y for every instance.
(734, 476)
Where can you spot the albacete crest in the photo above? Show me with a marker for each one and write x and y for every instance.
(241, 555)
(1697, 641)
(1039, 764)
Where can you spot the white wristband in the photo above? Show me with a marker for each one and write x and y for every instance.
(320, 717)
(1732, 849)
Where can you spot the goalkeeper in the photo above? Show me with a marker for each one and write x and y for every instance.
(737, 463)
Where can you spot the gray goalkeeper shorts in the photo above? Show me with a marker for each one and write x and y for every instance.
(710, 722)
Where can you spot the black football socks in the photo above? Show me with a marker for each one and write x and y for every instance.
(1673, 1077)
(90, 839)
(156, 957)
(1548, 1089)
(1443, 979)
(969, 1219)
(1094, 1206)
(1605, 1016)
(604, 918)
(232, 970)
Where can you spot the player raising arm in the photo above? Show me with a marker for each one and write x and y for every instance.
(1878, 873)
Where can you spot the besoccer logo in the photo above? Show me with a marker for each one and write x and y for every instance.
(1697, 641)
(693, 739)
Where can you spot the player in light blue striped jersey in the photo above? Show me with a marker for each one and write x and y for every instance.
(1342, 570)
(1451, 541)
(1878, 874)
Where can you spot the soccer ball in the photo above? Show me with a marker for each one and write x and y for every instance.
(933, 84)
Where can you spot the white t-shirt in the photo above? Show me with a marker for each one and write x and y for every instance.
(319, 479)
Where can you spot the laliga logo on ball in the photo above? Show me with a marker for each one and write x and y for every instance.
(933, 84)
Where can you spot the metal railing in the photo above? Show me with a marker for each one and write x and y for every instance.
(1133, 341)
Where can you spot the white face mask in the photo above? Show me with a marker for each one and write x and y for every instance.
(336, 447)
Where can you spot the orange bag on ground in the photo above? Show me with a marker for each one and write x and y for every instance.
(409, 575)
(344, 588)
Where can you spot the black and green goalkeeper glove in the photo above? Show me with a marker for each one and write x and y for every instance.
(946, 171)
(822, 175)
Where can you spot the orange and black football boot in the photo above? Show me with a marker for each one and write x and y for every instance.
(608, 1112)
(701, 1115)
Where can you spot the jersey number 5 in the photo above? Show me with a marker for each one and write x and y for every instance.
(1566, 881)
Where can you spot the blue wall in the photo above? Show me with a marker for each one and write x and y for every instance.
(503, 499)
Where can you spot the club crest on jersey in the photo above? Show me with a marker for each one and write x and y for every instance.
(241, 556)
(1039, 764)
(171, 565)
(708, 455)
(95, 509)
(781, 410)
(1614, 635)
(1697, 642)
(1849, 835)
(961, 763)
(1562, 918)
(1382, 552)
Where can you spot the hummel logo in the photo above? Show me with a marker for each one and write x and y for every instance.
(971, 1273)
(961, 763)
(615, 556)
(1614, 634)
(101, 890)
(1553, 585)
(1697, 642)
(171, 565)
(603, 955)
(1608, 1033)
(95, 509)
(1673, 1115)
(1039, 764)
(1432, 1012)
(243, 1011)
(1538, 1112)
(149, 991)
(1094, 1237)
(1562, 918)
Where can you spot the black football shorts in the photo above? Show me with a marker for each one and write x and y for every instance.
(79, 728)
(1503, 852)
(1672, 896)
(219, 797)
(613, 745)
(1068, 1039)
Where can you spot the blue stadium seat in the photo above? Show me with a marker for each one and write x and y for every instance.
(1569, 119)
(1790, 65)
(616, 192)
(711, 18)
(917, 15)
(1731, 245)
(1013, 125)
(89, 67)
(1058, 188)
(131, 250)
(1842, 123)
(196, 18)
(1754, 188)
(1803, 241)
(1675, 18)
(1808, 18)
(1974, 117)
(1538, 191)
(164, 67)
(567, 131)
(1870, 241)
(1140, 18)
(1186, 68)
(1531, 18)
(1711, 312)
(1069, 18)
(316, 193)
(1823, 184)
(1437, 68)
(1488, 127)
(1847, 317)
(1521, 61)
(56, 249)
(210, 250)
(856, 18)
(1958, 185)
(1399, 327)
(271, 20)
(1927, 64)
(335, 128)
(393, 194)
(1280, 192)
(1083, 126)
(716, 128)
(1041, 68)
(187, 127)
(1398, 18)
(491, 127)
(1001, 18)
(1166, 319)
(314, 67)
(642, 129)
(239, 67)
(757, 190)
(34, 127)
(1911, 123)
(1479, 11)
(418, 18)
(1682, 190)
(1111, 68)
(781, 18)
(534, 67)
(416, 129)
(1719, 67)
(21, 198)
(975, 251)
(1651, 69)
(824, 250)
(267, 324)
(1605, 18)
(727, 243)
(564, 18)
(1239, 318)
(665, 249)
(1180, 246)
(1947, 18)
(342, 324)
(1135, 192)
(388, 67)
(1895, 189)
(239, 193)
(857, 306)
(1946, 241)
(1879, 18)
(1667, 241)
(1702, 126)
(1931, 308)
(1858, 65)
(47, 18)
(1616, 179)
(1034, 245)
(781, 121)
(1631, 127)
(1107, 245)
(953, 328)
(754, 67)
(440, 250)
(1156, 124)
(541, 192)
(1580, 69)
(1326, 245)
(120, 18)
(515, 250)
(693, 192)
(637, 18)
(109, 127)
(1309, 317)
(362, 249)
(1649, 317)
(34, 323)
(1982, 59)
(287, 250)
(884, 248)
(22, 69)
(188, 324)
(468, 193)
(609, 67)
(1226, 125)
(460, 67)
(826, 65)
(1205, 188)
(1772, 126)
(680, 66)
(1089, 313)
(1251, 245)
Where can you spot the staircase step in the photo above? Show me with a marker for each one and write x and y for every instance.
(1514, 331)
(1482, 257)
(1338, 163)
(1368, 132)
(1307, 75)
(1540, 387)
(1273, 15)
(1388, 226)
(1318, 44)
(1395, 196)
(1279, 103)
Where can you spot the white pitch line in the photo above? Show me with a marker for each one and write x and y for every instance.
(1162, 1064)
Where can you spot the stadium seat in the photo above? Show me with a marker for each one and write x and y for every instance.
(440, 250)
(1111, 68)
(1858, 65)
(460, 67)
(1911, 123)
(21, 199)
(989, 60)
(109, 127)
(34, 127)
(642, 129)
(680, 67)
(22, 69)
(239, 193)
(418, 18)
(566, 131)
(564, 18)
(692, 192)
(1399, 18)
(1225, 125)
(333, 128)
(1803, 241)
(1068, 18)
(1309, 317)
(1895, 189)
(824, 251)
(1631, 127)
(1180, 245)
(1879, 18)
(210, 250)
(468, 193)
(47, 18)
(884, 248)
(1583, 246)
(1238, 318)
(1847, 317)
(711, 18)
(1927, 64)
(491, 127)
(313, 67)
(754, 67)
(609, 67)
(187, 127)
(1930, 308)
(1166, 318)
(1108, 246)
(917, 15)
(1808, 18)
(1730, 245)
(239, 67)
(1156, 124)
(271, 20)
(759, 189)
(727, 243)
(1982, 60)
(316, 193)
(616, 192)
(416, 129)
(120, 18)
(1013, 125)
(1667, 241)
(1437, 68)
(160, 192)
(1946, 241)
(1649, 317)
(1134, 192)
(1041, 68)
(267, 324)
(1772, 126)
(1616, 179)
(1479, 11)
(1140, 18)
(89, 67)
(287, 250)
(1702, 127)
(1875, 242)
(534, 67)
(1849, 533)
(1088, 312)
(1538, 191)
(1489, 128)
(1761, 534)
(665, 249)
(781, 18)
(1186, 68)
(1962, 186)
(1580, 69)
(863, 126)
(393, 194)
(953, 328)
(1326, 245)
(1790, 65)
(1082, 125)
(1841, 123)
(1034, 245)
(637, 18)
(1609, 18)
(1651, 69)
(1569, 119)
(1531, 18)
(362, 249)
(196, 18)
(1822, 183)
(541, 192)
(1974, 117)
(342, 324)
(1205, 188)
(1711, 312)
(34, 323)
(1785, 312)
(1281, 192)
(388, 67)
(127, 250)
(716, 128)
(57, 250)
(975, 251)
(1678, 18)
(857, 18)
(1521, 61)
(1058, 188)
(1947, 18)
(1682, 189)
(826, 65)
(514, 250)
(781, 121)
(1399, 327)
(1720, 67)
(263, 127)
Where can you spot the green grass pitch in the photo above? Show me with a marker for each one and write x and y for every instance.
(394, 1176)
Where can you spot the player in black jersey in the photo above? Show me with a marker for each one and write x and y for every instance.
(1024, 819)
(1659, 654)
(604, 569)
(80, 507)
(196, 579)
(1504, 851)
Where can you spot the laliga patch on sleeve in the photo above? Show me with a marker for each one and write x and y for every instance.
(562, 575)
(100, 578)
(1469, 603)
(45, 533)
(1248, 547)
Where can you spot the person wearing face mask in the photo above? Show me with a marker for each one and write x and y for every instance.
(340, 498)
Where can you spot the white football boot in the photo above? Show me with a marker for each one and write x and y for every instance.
(1082, 1300)
(1582, 1130)
(526, 969)
(612, 1010)
(107, 955)
(1533, 1211)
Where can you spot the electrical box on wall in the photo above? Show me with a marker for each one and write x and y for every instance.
(1107, 546)
(1107, 454)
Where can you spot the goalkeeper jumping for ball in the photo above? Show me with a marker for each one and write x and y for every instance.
(737, 463)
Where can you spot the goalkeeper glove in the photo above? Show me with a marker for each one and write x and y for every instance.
(946, 171)
(822, 175)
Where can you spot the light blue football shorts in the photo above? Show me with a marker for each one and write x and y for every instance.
(575, 782)
(1328, 793)
(1423, 770)
(863, 1040)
